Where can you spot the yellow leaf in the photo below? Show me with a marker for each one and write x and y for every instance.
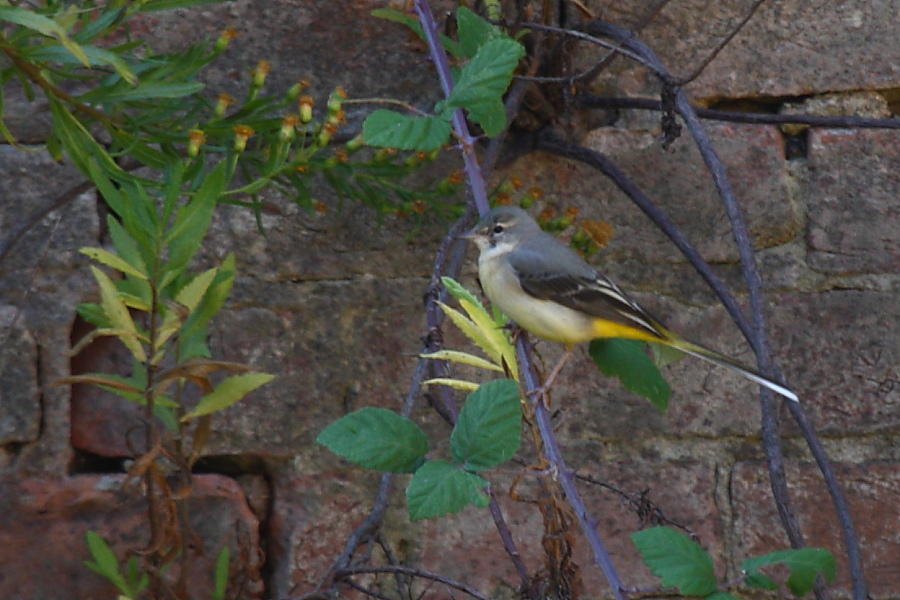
(113, 260)
(496, 336)
(464, 358)
(458, 384)
(471, 331)
(117, 313)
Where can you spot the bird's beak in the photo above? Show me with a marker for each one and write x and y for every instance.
(469, 235)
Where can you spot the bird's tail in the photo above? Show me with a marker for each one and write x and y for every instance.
(723, 361)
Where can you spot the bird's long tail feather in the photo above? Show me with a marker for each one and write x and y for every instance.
(723, 361)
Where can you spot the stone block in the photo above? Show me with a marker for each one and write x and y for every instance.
(871, 491)
(20, 409)
(37, 511)
(791, 48)
(852, 201)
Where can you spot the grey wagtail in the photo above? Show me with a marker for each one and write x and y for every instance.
(550, 291)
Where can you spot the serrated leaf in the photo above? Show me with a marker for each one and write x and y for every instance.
(117, 313)
(457, 384)
(191, 294)
(228, 392)
(495, 336)
(627, 360)
(471, 331)
(474, 31)
(483, 82)
(390, 129)
(111, 260)
(804, 563)
(462, 358)
(488, 430)
(438, 488)
(456, 289)
(377, 438)
(677, 560)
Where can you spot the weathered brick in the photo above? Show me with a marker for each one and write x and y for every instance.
(852, 199)
(37, 511)
(871, 489)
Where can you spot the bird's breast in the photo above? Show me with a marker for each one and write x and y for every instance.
(543, 318)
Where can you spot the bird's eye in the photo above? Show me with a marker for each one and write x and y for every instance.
(498, 228)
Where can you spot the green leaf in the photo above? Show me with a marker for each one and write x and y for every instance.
(221, 577)
(677, 560)
(439, 487)
(456, 289)
(488, 430)
(804, 563)
(474, 32)
(627, 360)
(390, 129)
(192, 222)
(228, 392)
(105, 562)
(126, 246)
(45, 26)
(462, 358)
(95, 56)
(377, 438)
(483, 82)
(664, 354)
(212, 301)
(111, 260)
(147, 90)
(117, 314)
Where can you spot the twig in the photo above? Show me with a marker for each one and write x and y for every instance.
(416, 573)
(593, 101)
(759, 339)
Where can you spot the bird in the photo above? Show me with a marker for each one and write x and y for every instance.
(549, 290)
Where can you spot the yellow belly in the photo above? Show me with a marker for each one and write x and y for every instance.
(544, 318)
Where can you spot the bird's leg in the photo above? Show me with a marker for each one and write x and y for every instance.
(542, 391)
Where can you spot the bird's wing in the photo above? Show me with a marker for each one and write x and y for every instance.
(586, 291)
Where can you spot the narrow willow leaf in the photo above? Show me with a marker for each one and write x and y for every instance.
(494, 335)
(457, 384)
(471, 331)
(117, 313)
(111, 260)
(191, 294)
(463, 358)
(45, 26)
(228, 392)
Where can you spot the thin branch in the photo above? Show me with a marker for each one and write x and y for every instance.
(759, 340)
(410, 572)
(722, 44)
(563, 474)
(842, 122)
